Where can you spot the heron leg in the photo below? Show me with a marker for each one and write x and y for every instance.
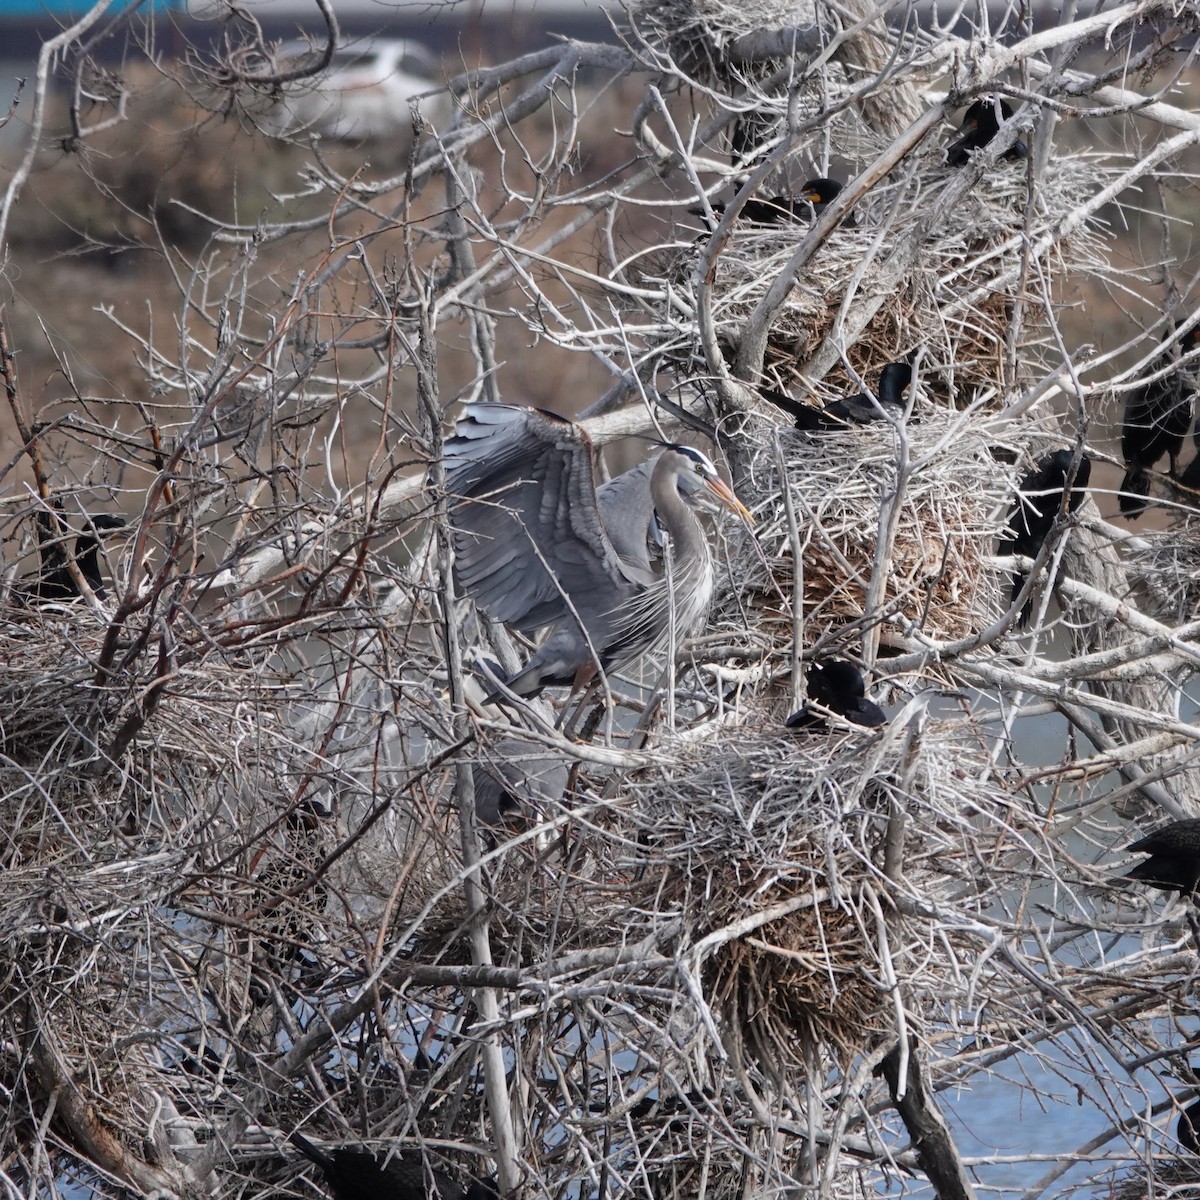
(582, 687)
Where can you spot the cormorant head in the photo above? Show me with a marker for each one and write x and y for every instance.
(105, 523)
(838, 685)
(894, 378)
(820, 191)
(1059, 462)
(483, 1189)
(983, 113)
(835, 682)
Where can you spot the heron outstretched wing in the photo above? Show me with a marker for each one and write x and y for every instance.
(525, 517)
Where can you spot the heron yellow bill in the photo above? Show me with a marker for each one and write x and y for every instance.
(724, 494)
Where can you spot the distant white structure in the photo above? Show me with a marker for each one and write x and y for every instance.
(366, 91)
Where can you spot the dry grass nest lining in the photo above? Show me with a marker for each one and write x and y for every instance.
(956, 499)
(943, 301)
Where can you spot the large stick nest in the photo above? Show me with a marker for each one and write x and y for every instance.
(1166, 564)
(953, 500)
(954, 301)
(763, 851)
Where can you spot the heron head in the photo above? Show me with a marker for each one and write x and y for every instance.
(699, 484)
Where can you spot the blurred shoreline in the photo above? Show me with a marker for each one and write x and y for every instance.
(500, 28)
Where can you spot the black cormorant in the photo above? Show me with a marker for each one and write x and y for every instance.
(1157, 418)
(857, 410)
(1189, 477)
(838, 686)
(817, 195)
(1038, 503)
(1174, 862)
(1187, 1126)
(893, 379)
(53, 580)
(981, 122)
(356, 1173)
(809, 203)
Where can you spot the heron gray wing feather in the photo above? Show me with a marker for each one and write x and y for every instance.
(627, 510)
(523, 508)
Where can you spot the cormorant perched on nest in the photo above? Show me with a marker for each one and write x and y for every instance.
(355, 1173)
(1174, 862)
(838, 686)
(1157, 418)
(813, 199)
(1187, 1126)
(53, 580)
(859, 409)
(1038, 503)
(981, 122)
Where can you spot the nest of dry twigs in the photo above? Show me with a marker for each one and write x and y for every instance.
(696, 33)
(954, 300)
(113, 808)
(1179, 1179)
(51, 692)
(768, 847)
(938, 501)
(762, 852)
(1166, 565)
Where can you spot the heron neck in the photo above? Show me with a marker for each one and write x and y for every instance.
(689, 546)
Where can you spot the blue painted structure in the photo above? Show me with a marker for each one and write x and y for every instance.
(33, 9)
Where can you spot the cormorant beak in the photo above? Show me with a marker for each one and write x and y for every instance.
(724, 496)
(812, 196)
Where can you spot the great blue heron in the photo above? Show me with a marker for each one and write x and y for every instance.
(518, 775)
(536, 543)
(356, 1173)
(1038, 502)
(981, 122)
(1157, 418)
(1174, 862)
